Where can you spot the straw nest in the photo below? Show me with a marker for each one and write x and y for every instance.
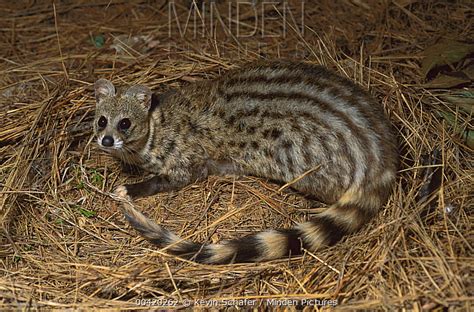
(65, 245)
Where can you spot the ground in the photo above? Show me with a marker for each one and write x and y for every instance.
(63, 242)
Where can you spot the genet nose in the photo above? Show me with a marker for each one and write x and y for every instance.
(108, 141)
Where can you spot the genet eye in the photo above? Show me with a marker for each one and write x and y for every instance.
(102, 122)
(124, 124)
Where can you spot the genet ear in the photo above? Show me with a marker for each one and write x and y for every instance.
(103, 88)
(142, 93)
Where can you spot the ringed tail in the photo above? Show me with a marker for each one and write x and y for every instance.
(347, 215)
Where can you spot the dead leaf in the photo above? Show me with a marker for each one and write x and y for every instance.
(405, 3)
(444, 53)
(469, 71)
(447, 81)
(465, 101)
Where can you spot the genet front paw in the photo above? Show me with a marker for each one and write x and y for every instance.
(121, 192)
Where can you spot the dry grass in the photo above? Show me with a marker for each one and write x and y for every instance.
(64, 245)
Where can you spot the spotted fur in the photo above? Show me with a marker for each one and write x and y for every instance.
(276, 120)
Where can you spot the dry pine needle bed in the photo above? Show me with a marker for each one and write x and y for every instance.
(63, 242)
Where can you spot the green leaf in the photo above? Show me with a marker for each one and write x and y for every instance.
(80, 185)
(98, 41)
(96, 178)
(87, 213)
(444, 53)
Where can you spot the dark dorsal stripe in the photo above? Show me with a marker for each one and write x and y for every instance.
(358, 134)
